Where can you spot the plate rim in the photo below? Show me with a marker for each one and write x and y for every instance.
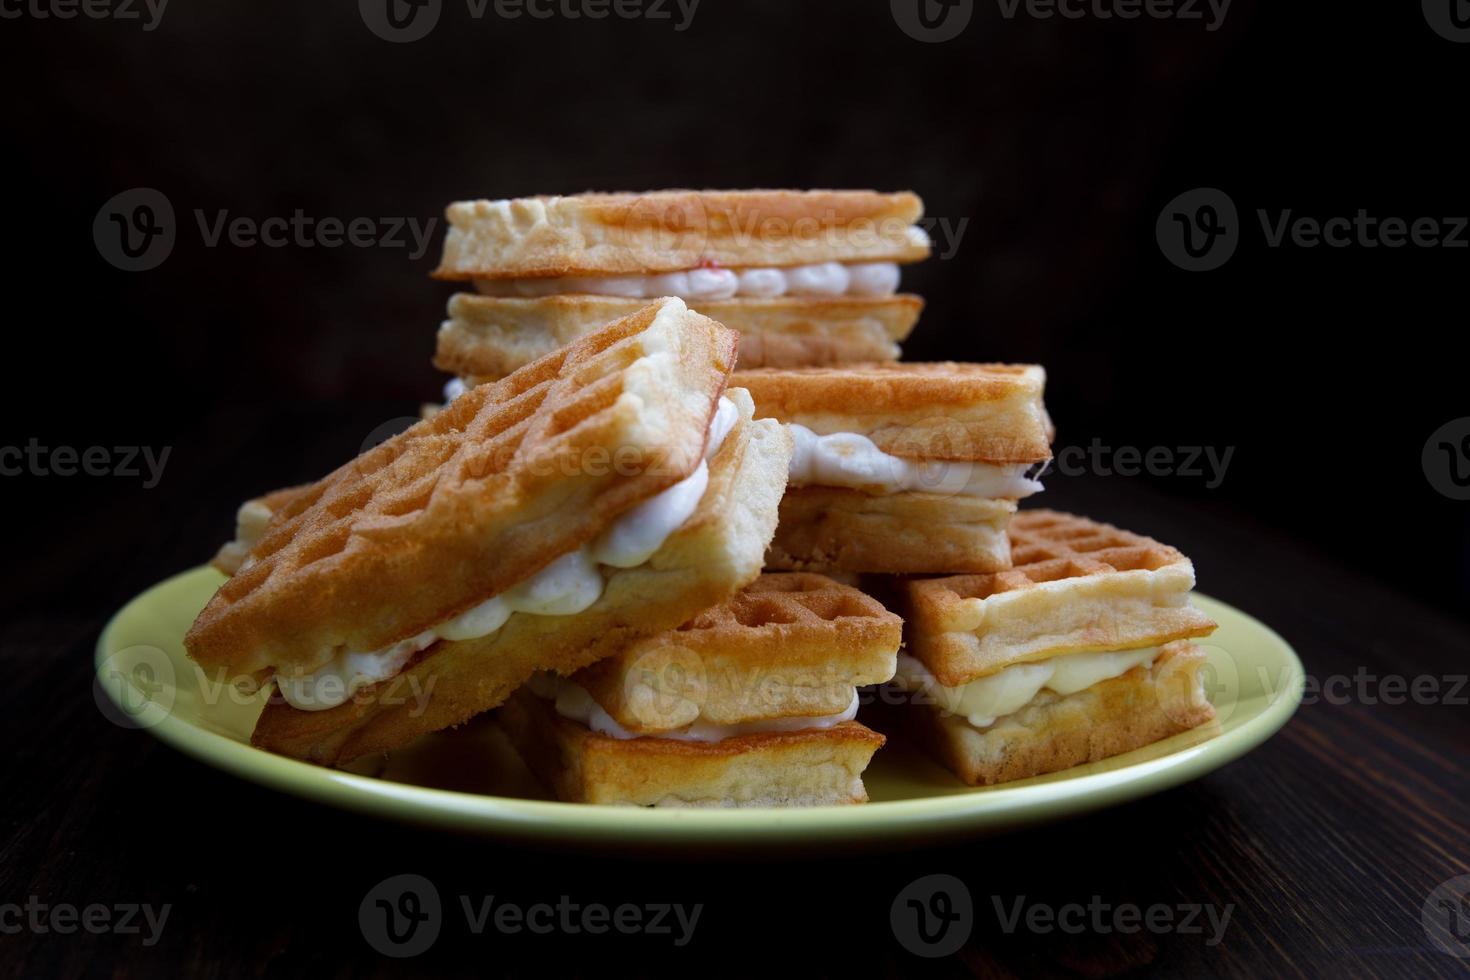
(984, 810)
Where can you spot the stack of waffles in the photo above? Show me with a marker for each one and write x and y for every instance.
(659, 571)
(805, 277)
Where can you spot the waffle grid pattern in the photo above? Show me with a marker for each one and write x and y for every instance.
(1047, 546)
(482, 495)
(475, 439)
(795, 599)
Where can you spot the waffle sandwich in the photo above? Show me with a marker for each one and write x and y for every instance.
(805, 277)
(903, 468)
(1078, 652)
(750, 703)
(609, 490)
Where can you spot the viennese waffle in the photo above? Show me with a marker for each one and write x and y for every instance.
(788, 644)
(1104, 609)
(708, 557)
(1074, 584)
(962, 436)
(806, 277)
(711, 555)
(749, 703)
(480, 497)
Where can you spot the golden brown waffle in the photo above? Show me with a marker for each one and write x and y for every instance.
(1074, 585)
(667, 231)
(464, 505)
(833, 529)
(488, 337)
(797, 331)
(788, 645)
(1056, 732)
(250, 524)
(976, 412)
(716, 552)
(816, 767)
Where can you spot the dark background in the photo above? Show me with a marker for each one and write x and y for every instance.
(1057, 141)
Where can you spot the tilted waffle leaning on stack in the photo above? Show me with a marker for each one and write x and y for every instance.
(805, 277)
(575, 538)
(1078, 652)
(610, 490)
(903, 468)
(750, 703)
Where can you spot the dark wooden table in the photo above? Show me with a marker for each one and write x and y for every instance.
(1323, 845)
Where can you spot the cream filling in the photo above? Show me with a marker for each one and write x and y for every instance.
(1007, 691)
(569, 585)
(816, 279)
(573, 702)
(848, 459)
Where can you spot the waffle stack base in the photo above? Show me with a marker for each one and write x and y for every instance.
(748, 704)
(1082, 599)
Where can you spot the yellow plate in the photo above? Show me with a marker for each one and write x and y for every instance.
(469, 780)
